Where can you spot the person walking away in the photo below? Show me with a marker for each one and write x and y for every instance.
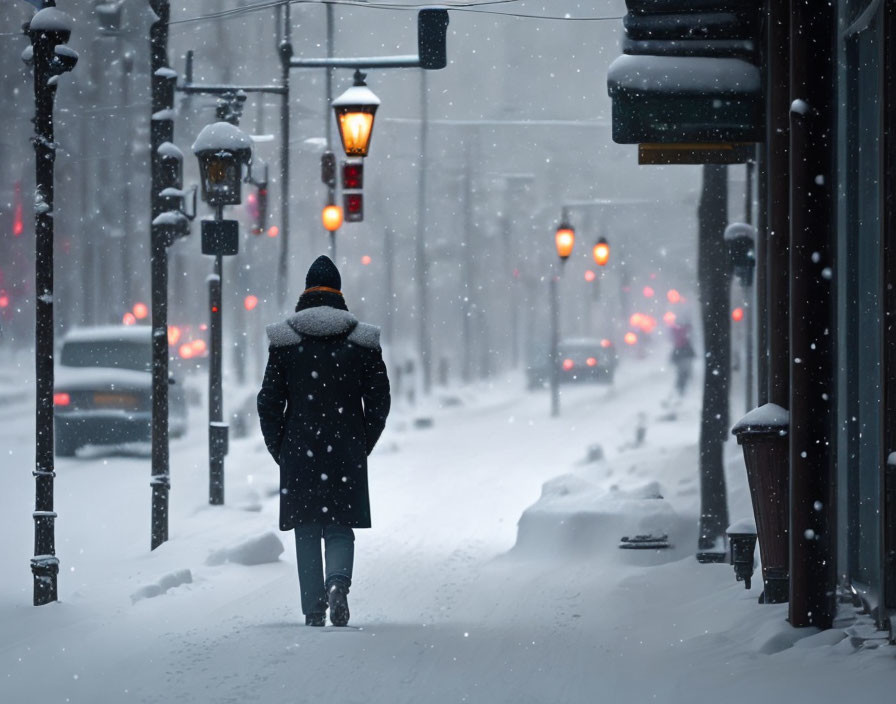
(322, 407)
(682, 355)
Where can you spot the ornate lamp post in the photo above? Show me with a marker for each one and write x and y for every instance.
(564, 240)
(355, 111)
(222, 149)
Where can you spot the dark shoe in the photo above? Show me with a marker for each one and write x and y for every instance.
(338, 596)
(317, 620)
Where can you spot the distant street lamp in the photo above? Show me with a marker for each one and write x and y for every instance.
(565, 239)
(355, 111)
(331, 216)
(601, 252)
(222, 150)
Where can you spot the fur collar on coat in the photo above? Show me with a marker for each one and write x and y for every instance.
(323, 321)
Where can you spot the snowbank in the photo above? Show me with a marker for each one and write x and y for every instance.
(575, 517)
(254, 551)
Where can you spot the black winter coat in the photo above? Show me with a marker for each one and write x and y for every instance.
(322, 406)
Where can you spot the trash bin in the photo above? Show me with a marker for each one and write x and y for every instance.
(763, 435)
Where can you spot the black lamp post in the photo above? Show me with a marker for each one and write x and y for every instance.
(564, 240)
(49, 31)
(223, 150)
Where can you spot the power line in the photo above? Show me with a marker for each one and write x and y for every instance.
(460, 7)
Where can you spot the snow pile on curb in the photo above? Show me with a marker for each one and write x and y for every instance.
(260, 550)
(169, 581)
(575, 517)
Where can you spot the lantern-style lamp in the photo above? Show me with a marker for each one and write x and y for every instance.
(222, 150)
(331, 216)
(355, 110)
(601, 252)
(565, 240)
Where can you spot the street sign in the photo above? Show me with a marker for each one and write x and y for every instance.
(220, 237)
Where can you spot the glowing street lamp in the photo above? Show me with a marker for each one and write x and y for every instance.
(331, 216)
(601, 252)
(565, 239)
(355, 110)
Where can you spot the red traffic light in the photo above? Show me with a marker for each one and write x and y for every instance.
(353, 175)
(353, 206)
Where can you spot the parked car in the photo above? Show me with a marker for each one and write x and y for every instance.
(586, 359)
(538, 367)
(103, 389)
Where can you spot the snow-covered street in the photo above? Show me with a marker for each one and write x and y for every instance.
(448, 604)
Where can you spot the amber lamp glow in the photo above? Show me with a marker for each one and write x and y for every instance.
(601, 252)
(355, 110)
(565, 240)
(331, 216)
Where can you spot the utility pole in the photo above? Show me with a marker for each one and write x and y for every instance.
(714, 296)
(286, 53)
(49, 31)
(161, 131)
(169, 222)
(421, 266)
(328, 123)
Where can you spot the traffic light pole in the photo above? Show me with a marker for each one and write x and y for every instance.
(47, 39)
(217, 448)
(161, 130)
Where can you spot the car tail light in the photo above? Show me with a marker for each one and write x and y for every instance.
(605, 343)
(568, 364)
(60, 398)
(591, 362)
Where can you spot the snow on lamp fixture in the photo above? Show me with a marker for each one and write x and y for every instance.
(355, 111)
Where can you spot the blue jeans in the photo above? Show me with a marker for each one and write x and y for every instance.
(339, 542)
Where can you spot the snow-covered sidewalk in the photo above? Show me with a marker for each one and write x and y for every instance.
(449, 604)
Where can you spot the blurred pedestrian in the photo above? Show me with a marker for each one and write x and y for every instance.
(323, 405)
(682, 356)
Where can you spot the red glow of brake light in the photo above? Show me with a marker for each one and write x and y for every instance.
(568, 364)
(648, 292)
(203, 326)
(590, 276)
(4, 300)
(250, 302)
(185, 350)
(273, 231)
(630, 338)
(140, 310)
(737, 315)
(173, 334)
(591, 362)
(673, 296)
(198, 346)
(129, 319)
(635, 320)
(669, 318)
(365, 260)
(605, 343)
(60, 398)
(648, 324)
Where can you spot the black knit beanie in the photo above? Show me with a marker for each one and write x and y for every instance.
(322, 286)
(323, 272)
